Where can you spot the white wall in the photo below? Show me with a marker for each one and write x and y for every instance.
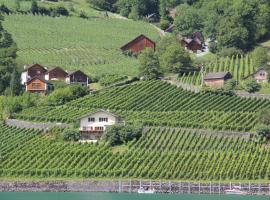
(111, 120)
(23, 78)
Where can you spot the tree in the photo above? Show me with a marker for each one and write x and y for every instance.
(264, 116)
(263, 133)
(34, 7)
(175, 59)
(188, 20)
(149, 64)
(71, 135)
(251, 86)
(260, 57)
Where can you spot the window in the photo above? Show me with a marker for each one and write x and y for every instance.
(91, 119)
(99, 128)
(103, 119)
(36, 85)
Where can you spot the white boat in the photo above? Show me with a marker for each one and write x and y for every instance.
(144, 191)
(236, 190)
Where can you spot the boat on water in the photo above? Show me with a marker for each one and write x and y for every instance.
(237, 190)
(146, 191)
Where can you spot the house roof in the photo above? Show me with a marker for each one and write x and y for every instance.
(170, 28)
(32, 65)
(100, 110)
(39, 78)
(260, 69)
(123, 48)
(216, 75)
(50, 70)
(71, 73)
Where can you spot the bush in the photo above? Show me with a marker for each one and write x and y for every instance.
(71, 135)
(229, 52)
(164, 24)
(251, 86)
(263, 133)
(117, 134)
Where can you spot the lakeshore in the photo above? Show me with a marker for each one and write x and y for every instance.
(131, 186)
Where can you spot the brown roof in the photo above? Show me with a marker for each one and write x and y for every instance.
(71, 73)
(39, 78)
(140, 37)
(55, 69)
(217, 75)
(36, 64)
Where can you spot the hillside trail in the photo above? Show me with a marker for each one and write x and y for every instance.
(33, 125)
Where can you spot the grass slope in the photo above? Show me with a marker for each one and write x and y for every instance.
(74, 43)
(160, 153)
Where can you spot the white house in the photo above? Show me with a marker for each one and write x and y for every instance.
(94, 124)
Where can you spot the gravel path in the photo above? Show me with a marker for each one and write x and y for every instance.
(32, 125)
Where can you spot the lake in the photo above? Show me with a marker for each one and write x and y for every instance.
(118, 196)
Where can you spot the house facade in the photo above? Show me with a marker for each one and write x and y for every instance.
(78, 77)
(56, 74)
(217, 79)
(139, 44)
(37, 85)
(192, 44)
(93, 125)
(261, 76)
(31, 71)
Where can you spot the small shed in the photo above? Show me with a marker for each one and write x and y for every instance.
(194, 44)
(138, 44)
(57, 73)
(38, 85)
(216, 79)
(78, 77)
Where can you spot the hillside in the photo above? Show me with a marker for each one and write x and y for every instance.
(160, 154)
(159, 103)
(92, 45)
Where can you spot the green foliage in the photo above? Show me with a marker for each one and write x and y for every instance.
(149, 65)
(251, 86)
(119, 134)
(260, 57)
(164, 24)
(71, 135)
(230, 85)
(90, 46)
(263, 133)
(63, 95)
(188, 20)
(175, 59)
(160, 153)
(34, 7)
(111, 79)
(156, 103)
(264, 116)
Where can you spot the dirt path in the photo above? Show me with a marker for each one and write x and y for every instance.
(32, 125)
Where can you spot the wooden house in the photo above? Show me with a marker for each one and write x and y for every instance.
(216, 79)
(93, 125)
(192, 44)
(78, 77)
(38, 85)
(261, 76)
(57, 73)
(31, 71)
(138, 44)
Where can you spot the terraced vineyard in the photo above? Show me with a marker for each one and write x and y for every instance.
(239, 66)
(159, 103)
(92, 45)
(161, 153)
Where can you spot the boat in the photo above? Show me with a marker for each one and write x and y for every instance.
(236, 190)
(146, 191)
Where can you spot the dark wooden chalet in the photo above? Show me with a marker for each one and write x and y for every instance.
(216, 79)
(38, 85)
(192, 44)
(31, 71)
(57, 73)
(138, 44)
(78, 77)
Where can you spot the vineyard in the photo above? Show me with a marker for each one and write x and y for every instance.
(92, 45)
(156, 103)
(161, 153)
(239, 66)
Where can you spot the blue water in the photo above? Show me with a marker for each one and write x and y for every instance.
(116, 196)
